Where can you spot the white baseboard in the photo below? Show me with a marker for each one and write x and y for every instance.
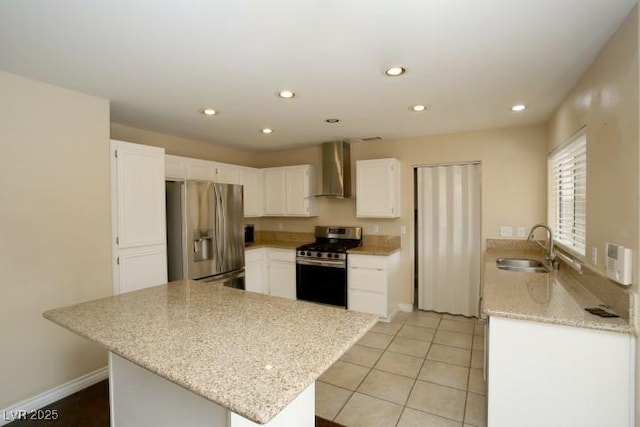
(408, 308)
(52, 395)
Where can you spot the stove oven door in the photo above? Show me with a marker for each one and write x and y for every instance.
(322, 281)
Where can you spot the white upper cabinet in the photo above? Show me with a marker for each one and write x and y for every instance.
(378, 188)
(202, 170)
(174, 167)
(287, 191)
(251, 178)
(227, 174)
(140, 194)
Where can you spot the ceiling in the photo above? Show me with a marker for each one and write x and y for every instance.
(160, 62)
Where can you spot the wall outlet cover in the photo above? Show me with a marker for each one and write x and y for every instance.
(521, 232)
(506, 231)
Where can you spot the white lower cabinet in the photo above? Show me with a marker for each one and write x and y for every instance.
(255, 270)
(541, 374)
(282, 272)
(372, 284)
(271, 271)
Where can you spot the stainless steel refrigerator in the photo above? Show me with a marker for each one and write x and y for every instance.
(205, 231)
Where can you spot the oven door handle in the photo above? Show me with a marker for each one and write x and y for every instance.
(327, 263)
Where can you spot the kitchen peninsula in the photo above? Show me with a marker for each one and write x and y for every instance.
(239, 357)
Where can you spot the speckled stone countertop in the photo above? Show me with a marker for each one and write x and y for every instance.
(272, 244)
(248, 352)
(374, 250)
(555, 297)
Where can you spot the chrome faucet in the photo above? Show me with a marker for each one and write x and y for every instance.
(550, 255)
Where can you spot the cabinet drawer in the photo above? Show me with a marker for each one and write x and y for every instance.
(282, 255)
(368, 261)
(256, 254)
(367, 302)
(367, 280)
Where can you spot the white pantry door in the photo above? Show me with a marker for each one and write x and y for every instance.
(448, 238)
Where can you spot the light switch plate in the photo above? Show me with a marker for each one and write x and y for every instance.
(521, 232)
(506, 231)
(594, 255)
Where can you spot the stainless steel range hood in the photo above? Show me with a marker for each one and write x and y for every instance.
(336, 170)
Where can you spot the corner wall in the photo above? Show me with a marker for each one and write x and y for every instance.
(55, 245)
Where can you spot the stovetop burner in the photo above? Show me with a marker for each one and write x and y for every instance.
(331, 242)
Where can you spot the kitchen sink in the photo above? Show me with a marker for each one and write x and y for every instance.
(522, 264)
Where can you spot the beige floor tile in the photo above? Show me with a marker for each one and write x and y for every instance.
(400, 364)
(444, 374)
(330, 399)
(361, 355)
(409, 346)
(345, 375)
(412, 418)
(438, 400)
(375, 340)
(456, 326)
(387, 386)
(447, 354)
(476, 411)
(459, 318)
(477, 384)
(417, 333)
(477, 359)
(367, 411)
(478, 343)
(453, 339)
(424, 320)
(400, 317)
(429, 313)
(386, 328)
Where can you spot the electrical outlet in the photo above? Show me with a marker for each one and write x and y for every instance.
(594, 255)
(403, 229)
(506, 231)
(521, 232)
(279, 226)
(376, 228)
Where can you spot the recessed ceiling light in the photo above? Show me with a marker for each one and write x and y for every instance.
(286, 94)
(208, 111)
(266, 130)
(418, 108)
(332, 120)
(519, 107)
(395, 71)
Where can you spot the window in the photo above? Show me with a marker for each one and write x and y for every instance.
(567, 193)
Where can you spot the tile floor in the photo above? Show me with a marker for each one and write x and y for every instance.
(423, 369)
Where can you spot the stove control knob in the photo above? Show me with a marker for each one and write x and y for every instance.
(308, 253)
(319, 254)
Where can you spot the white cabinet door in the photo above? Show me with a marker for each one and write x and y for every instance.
(282, 273)
(141, 268)
(174, 167)
(139, 193)
(298, 190)
(202, 170)
(275, 195)
(250, 179)
(227, 174)
(378, 188)
(255, 269)
(371, 280)
(553, 375)
(138, 216)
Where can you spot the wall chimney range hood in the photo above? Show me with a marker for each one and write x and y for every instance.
(336, 170)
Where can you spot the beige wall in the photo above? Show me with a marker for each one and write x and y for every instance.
(181, 146)
(605, 100)
(55, 240)
(513, 165)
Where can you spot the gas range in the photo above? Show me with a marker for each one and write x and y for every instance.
(321, 267)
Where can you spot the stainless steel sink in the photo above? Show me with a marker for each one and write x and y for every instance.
(522, 264)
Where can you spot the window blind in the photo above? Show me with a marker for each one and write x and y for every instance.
(567, 194)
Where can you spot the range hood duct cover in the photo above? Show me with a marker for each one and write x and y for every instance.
(336, 170)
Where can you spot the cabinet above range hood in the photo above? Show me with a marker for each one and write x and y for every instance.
(336, 170)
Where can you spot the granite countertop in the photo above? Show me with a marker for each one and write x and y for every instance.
(374, 250)
(273, 244)
(248, 352)
(556, 297)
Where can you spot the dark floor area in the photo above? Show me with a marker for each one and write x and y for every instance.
(88, 408)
